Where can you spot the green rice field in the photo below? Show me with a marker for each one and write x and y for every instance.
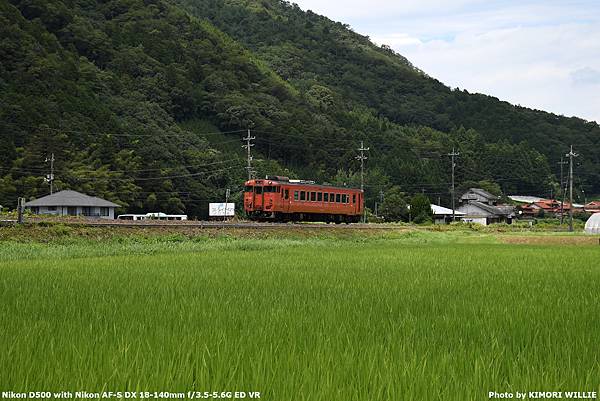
(400, 317)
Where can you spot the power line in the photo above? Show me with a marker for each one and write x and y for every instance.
(122, 135)
(157, 177)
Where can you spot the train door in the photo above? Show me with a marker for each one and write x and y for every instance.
(258, 198)
(286, 199)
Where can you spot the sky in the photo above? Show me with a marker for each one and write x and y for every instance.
(539, 54)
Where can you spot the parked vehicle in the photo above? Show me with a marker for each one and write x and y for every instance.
(152, 216)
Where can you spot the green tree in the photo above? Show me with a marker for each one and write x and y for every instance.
(420, 209)
(394, 206)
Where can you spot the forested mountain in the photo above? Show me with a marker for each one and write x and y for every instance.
(145, 102)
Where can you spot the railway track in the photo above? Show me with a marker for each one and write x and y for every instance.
(212, 224)
(242, 225)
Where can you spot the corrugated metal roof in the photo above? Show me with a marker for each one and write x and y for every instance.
(440, 210)
(71, 198)
(524, 199)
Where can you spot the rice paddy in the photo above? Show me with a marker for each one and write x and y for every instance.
(405, 317)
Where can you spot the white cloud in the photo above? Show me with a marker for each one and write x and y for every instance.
(540, 54)
(586, 76)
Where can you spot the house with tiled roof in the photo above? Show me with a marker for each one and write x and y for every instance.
(547, 207)
(479, 195)
(73, 203)
(592, 207)
(481, 207)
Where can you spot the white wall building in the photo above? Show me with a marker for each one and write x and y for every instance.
(73, 203)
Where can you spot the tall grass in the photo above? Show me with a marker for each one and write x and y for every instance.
(305, 320)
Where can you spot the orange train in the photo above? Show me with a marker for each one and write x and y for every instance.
(282, 199)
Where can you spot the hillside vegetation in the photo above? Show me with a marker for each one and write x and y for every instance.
(145, 103)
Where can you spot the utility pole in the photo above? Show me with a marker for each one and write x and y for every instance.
(362, 159)
(20, 210)
(249, 145)
(571, 155)
(227, 193)
(381, 194)
(50, 177)
(453, 154)
(562, 191)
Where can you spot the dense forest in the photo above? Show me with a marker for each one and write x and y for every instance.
(145, 103)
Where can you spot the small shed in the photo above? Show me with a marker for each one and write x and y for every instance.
(592, 226)
(73, 203)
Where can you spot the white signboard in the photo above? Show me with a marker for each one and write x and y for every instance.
(221, 209)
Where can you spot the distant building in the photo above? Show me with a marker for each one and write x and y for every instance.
(482, 213)
(549, 207)
(479, 195)
(73, 203)
(592, 207)
(481, 207)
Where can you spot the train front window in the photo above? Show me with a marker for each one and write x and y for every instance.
(248, 188)
(258, 190)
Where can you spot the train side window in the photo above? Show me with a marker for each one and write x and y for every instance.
(302, 195)
(319, 196)
(313, 196)
(295, 195)
(331, 197)
(286, 193)
(326, 197)
(354, 198)
(344, 198)
(338, 198)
